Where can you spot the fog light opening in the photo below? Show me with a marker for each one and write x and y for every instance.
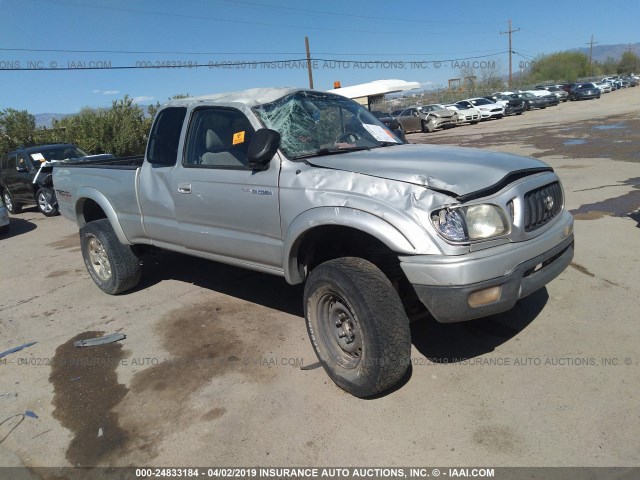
(484, 297)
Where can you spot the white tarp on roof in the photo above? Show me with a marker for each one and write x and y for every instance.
(378, 87)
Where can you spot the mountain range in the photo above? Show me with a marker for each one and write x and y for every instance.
(44, 119)
(602, 52)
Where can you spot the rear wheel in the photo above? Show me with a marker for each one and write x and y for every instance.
(112, 265)
(12, 206)
(357, 326)
(47, 202)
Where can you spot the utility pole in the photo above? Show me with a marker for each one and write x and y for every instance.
(509, 32)
(306, 43)
(591, 44)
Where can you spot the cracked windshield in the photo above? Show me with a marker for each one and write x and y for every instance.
(313, 123)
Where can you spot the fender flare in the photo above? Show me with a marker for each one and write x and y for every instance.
(337, 216)
(90, 193)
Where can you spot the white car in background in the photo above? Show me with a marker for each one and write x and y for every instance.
(554, 89)
(465, 114)
(487, 108)
(605, 87)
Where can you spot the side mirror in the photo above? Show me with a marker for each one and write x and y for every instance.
(263, 147)
(394, 125)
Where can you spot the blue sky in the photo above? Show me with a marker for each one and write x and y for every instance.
(71, 33)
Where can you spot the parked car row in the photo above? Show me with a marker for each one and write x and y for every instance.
(427, 118)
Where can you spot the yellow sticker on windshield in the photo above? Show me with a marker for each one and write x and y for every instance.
(238, 137)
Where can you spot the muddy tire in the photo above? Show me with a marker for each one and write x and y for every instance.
(47, 202)
(112, 265)
(357, 326)
(11, 204)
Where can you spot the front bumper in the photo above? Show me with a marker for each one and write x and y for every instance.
(462, 118)
(513, 109)
(445, 122)
(587, 96)
(443, 285)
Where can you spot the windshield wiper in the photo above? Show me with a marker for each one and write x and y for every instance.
(333, 151)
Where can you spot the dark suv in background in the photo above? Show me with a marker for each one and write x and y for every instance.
(25, 177)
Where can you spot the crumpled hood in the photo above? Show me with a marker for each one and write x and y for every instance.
(455, 170)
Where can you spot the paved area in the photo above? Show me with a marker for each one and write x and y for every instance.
(209, 373)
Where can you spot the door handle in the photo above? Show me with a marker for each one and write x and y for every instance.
(184, 188)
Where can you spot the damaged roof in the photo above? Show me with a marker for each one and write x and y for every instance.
(251, 97)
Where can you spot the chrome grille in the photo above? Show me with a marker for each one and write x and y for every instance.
(541, 205)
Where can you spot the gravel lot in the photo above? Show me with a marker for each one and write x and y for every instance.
(209, 374)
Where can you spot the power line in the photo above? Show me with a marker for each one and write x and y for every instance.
(180, 52)
(253, 64)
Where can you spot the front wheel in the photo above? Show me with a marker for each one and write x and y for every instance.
(12, 206)
(112, 265)
(426, 127)
(47, 203)
(357, 326)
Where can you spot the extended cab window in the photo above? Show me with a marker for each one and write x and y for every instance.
(165, 136)
(218, 138)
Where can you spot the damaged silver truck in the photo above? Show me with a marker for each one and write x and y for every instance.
(312, 187)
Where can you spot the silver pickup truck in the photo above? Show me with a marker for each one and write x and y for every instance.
(312, 187)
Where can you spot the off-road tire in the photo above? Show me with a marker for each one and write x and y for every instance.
(11, 204)
(47, 202)
(379, 353)
(112, 265)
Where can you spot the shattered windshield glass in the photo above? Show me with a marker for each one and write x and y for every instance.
(316, 123)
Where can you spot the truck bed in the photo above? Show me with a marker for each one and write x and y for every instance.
(110, 182)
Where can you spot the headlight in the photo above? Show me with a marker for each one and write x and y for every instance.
(475, 222)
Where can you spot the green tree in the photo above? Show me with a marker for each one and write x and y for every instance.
(559, 66)
(629, 63)
(17, 127)
(608, 67)
(121, 130)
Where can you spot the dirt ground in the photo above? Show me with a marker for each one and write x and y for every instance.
(210, 371)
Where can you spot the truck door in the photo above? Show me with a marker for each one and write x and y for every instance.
(155, 183)
(223, 207)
